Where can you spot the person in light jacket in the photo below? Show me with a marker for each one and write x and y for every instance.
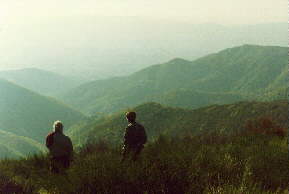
(60, 148)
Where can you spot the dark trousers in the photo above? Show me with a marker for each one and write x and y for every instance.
(57, 164)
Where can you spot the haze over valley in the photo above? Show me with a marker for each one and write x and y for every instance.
(206, 80)
(100, 47)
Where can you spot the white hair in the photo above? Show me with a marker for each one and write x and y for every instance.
(58, 126)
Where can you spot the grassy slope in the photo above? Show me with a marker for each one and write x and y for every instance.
(245, 72)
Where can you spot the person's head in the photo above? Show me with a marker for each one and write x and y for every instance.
(130, 116)
(58, 126)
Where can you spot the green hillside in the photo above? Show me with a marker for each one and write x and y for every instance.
(40, 81)
(29, 114)
(158, 119)
(247, 69)
(12, 146)
(240, 73)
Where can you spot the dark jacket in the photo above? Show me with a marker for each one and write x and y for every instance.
(59, 145)
(135, 135)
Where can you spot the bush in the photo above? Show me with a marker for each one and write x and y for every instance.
(265, 125)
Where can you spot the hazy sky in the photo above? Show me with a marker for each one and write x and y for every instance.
(47, 33)
(220, 11)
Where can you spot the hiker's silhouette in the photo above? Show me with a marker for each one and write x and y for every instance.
(60, 148)
(134, 138)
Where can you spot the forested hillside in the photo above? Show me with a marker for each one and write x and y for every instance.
(162, 120)
(241, 73)
(186, 98)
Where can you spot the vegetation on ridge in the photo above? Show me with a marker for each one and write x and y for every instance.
(159, 119)
(246, 162)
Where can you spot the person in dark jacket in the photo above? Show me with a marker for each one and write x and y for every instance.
(134, 138)
(60, 148)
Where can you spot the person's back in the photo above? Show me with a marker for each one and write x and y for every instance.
(135, 135)
(60, 148)
(134, 138)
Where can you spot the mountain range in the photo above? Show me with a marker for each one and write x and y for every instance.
(247, 72)
(220, 91)
(94, 47)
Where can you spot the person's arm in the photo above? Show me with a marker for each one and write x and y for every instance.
(49, 140)
(126, 136)
(125, 143)
(145, 136)
(70, 149)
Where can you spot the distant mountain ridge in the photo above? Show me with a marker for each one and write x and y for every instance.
(121, 46)
(40, 81)
(248, 68)
(245, 72)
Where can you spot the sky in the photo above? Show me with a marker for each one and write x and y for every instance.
(100, 33)
(204, 11)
